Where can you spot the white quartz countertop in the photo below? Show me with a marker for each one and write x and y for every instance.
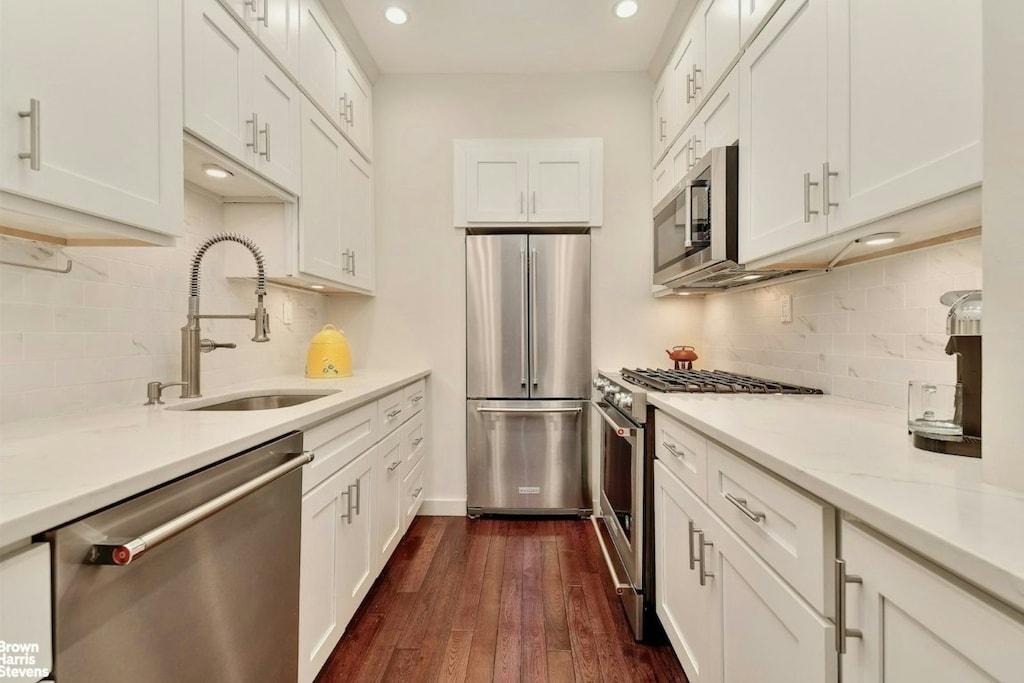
(859, 457)
(55, 470)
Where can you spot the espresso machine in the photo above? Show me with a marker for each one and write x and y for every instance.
(963, 325)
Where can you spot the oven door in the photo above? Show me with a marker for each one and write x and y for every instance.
(622, 486)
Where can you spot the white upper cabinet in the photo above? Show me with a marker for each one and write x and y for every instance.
(851, 112)
(660, 107)
(90, 139)
(753, 13)
(528, 181)
(783, 136)
(331, 77)
(236, 98)
(275, 23)
(687, 77)
(357, 225)
(720, 42)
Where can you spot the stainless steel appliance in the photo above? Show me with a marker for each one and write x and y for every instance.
(696, 229)
(527, 372)
(197, 580)
(627, 467)
(963, 325)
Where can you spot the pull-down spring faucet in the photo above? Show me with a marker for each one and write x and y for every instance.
(191, 344)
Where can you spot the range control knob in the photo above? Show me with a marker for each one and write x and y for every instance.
(625, 401)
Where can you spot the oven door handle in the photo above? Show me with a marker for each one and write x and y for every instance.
(621, 428)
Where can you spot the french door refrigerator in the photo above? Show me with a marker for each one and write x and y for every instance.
(527, 373)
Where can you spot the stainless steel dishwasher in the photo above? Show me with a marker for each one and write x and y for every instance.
(197, 580)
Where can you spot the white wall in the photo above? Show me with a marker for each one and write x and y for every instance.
(861, 331)
(419, 311)
(1003, 325)
(94, 337)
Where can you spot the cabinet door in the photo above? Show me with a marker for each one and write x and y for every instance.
(108, 133)
(25, 596)
(496, 182)
(357, 218)
(752, 13)
(660, 106)
(718, 122)
(682, 157)
(662, 179)
(685, 607)
(782, 123)
(278, 105)
(391, 453)
(320, 55)
(412, 498)
(919, 626)
(277, 25)
(358, 564)
(218, 80)
(320, 572)
(687, 83)
(904, 107)
(355, 93)
(321, 203)
(559, 182)
(721, 39)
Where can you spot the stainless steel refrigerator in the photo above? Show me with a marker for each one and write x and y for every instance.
(527, 373)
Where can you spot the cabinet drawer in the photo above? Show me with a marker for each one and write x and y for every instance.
(412, 493)
(391, 412)
(413, 443)
(338, 442)
(683, 451)
(415, 397)
(792, 532)
(25, 596)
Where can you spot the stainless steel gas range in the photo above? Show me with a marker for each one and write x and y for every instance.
(627, 466)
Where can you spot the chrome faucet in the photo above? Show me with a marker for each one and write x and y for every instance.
(191, 343)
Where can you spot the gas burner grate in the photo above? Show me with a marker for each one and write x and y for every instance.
(710, 382)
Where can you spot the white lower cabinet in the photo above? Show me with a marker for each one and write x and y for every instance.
(391, 513)
(25, 628)
(730, 617)
(918, 625)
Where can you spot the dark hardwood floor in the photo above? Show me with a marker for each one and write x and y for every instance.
(495, 599)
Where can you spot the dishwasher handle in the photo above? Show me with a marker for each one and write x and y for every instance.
(122, 551)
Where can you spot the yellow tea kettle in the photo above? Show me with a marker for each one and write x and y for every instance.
(329, 356)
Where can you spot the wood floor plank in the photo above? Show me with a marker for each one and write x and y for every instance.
(448, 550)
(485, 630)
(556, 628)
(560, 667)
(613, 664)
(413, 579)
(587, 551)
(597, 602)
(456, 657)
(469, 597)
(347, 656)
(509, 647)
(568, 562)
(401, 667)
(534, 652)
(586, 663)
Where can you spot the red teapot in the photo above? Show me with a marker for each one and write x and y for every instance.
(683, 357)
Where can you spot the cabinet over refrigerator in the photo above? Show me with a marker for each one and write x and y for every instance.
(527, 373)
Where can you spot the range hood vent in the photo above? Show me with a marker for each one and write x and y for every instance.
(724, 275)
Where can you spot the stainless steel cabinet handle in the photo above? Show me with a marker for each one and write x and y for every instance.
(693, 148)
(524, 411)
(533, 313)
(347, 515)
(344, 262)
(266, 141)
(351, 114)
(533, 203)
(416, 442)
(252, 4)
(741, 503)
(123, 551)
(392, 414)
(693, 530)
(695, 86)
(417, 492)
(417, 398)
(343, 107)
(689, 87)
(808, 184)
(671, 449)
(826, 188)
(661, 129)
(701, 557)
(34, 115)
(842, 633)
(354, 262)
(266, 14)
(524, 270)
(522, 199)
(394, 466)
(255, 141)
(359, 495)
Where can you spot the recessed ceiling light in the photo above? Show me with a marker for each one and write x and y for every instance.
(316, 286)
(396, 15)
(879, 239)
(215, 171)
(624, 9)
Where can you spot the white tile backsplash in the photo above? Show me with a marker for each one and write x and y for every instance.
(95, 336)
(860, 331)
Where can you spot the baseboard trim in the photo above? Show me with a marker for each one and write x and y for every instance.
(443, 507)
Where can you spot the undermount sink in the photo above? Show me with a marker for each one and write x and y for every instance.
(266, 400)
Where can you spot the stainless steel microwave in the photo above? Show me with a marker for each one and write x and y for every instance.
(696, 225)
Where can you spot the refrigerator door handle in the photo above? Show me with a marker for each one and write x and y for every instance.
(514, 411)
(533, 316)
(523, 304)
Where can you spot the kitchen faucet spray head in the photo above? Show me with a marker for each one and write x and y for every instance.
(262, 319)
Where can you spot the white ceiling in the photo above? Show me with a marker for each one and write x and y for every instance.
(512, 36)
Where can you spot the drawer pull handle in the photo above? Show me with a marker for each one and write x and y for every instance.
(394, 413)
(417, 398)
(672, 449)
(417, 492)
(416, 441)
(693, 529)
(741, 503)
(394, 465)
(33, 114)
(702, 544)
(842, 633)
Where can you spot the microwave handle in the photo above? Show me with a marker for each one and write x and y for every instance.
(687, 195)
